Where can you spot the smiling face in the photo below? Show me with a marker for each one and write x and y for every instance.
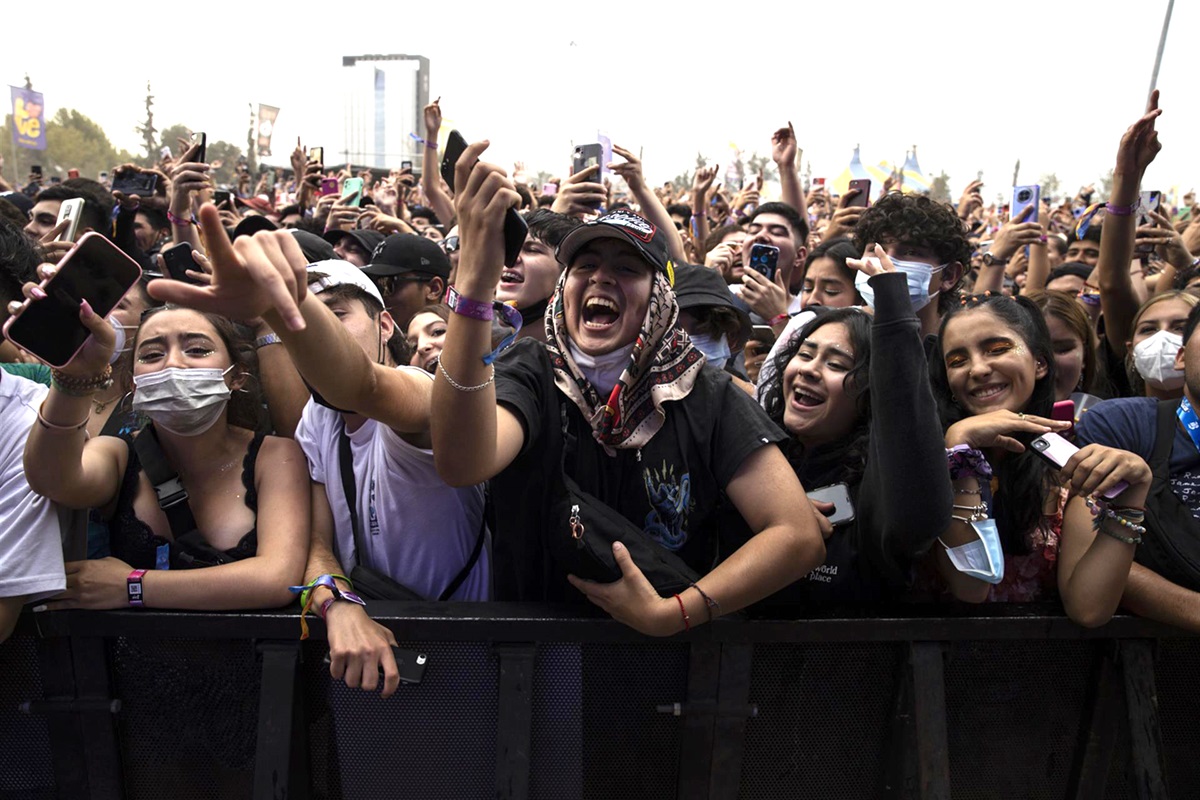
(426, 333)
(989, 366)
(606, 295)
(817, 408)
(532, 278)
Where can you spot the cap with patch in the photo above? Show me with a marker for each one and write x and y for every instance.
(402, 253)
(366, 239)
(624, 226)
(337, 273)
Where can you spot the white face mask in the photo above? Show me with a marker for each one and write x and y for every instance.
(602, 371)
(716, 349)
(119, 347)
(918, 275)
(1154, 359)
(982, 558)
(186, 402)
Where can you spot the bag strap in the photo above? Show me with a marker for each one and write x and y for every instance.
(1164, 439)
(470, 565)
(346, 468)
(172, 497)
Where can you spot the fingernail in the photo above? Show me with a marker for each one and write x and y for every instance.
(37, 292)
(38, 609)
(1042, 238)
(618, 546)
(85, 309)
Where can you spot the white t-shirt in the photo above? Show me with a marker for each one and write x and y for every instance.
(418, 530)
(31, 553)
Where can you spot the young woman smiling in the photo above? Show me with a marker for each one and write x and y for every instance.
(872, 424)
(993, 374)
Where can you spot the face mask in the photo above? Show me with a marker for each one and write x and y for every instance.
(186, 402)
(602, 371)
(918, 275)
(119, 347)
(1154, 359)
(982, 558)
(716, 349)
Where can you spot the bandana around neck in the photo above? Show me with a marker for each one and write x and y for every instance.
(663, 365)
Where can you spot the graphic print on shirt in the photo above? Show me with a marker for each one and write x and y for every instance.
(371, 510)
(670, 501)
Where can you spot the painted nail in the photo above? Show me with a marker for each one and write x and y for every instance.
(37, 292)
(85, 309)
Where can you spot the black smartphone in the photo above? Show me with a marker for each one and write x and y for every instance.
(863, 198)
(405, 165)
(221, 196)
(586, 155)
(515, 228)
(36, 169)
(201, 139)
(764, 259)
(409, 663)
(839, 495)
(94, 270)
(316, 155)
(143, 184)
(178, 259)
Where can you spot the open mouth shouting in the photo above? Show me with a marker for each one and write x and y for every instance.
(600, 313)
(804, 399)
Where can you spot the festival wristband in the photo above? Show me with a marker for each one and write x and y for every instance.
(133, 588)
(175, 220)
(486, 312)
(1121, 211)
(426, 142)
(306, 596)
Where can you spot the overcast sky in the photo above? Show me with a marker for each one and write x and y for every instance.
(1053, 83)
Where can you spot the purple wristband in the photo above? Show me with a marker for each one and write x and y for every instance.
(1121, 211)
(467, 307)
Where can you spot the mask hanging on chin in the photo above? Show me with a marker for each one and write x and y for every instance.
(918, 274)
(715, 348)
(1154, 360)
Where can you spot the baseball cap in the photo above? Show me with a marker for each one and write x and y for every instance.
(314, 247)
(625, 226)
(337, 273)
(259, 203)
(703, 287)
(368, 240)
(408, 252)
(252, 225)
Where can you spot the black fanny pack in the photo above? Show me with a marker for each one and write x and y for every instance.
(1172, 545)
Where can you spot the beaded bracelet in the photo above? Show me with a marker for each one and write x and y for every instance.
(81, 387)
(1130, 518)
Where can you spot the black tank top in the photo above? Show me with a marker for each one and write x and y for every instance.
(134, 543)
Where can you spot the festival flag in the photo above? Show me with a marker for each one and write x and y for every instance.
(266, 126)
(29, 119)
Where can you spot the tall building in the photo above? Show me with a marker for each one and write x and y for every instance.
(385, 96)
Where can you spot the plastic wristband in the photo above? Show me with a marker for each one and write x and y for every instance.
(1122, 211)
(176, 220)
(431, 145)
(784, 317)
(466, 307)
(133, 587)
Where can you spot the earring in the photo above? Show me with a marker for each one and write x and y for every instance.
(1079, 386)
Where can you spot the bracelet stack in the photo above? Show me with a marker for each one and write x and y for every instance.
(1130, 518)
(978, 513)
(81, 387)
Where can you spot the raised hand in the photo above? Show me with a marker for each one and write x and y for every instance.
(481, 204)
(630, 170)
(971, 199)
(1140, 143)
(579, 195)
(783, 147)
(1016, 233)
(433, 120)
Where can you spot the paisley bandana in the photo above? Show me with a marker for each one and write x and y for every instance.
(663, 366)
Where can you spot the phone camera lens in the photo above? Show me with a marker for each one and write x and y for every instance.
(1024, 195)
(1040, 444)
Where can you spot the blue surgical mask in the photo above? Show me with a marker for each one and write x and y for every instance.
(918, 275)
(716, 349)
(982, 558)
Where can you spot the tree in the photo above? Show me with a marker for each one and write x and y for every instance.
(73, 141)
(756, 164)
(147, 130)
(1050, 186)
(223, 158)
(1104, 187)
(170, 137)
(939, 190)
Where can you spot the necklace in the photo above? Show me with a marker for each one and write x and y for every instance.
(98, 407)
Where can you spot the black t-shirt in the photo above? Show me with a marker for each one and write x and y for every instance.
(671, 488)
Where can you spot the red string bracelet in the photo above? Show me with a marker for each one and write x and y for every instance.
(687, 623)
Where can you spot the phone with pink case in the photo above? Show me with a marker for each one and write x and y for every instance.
(1058, 451)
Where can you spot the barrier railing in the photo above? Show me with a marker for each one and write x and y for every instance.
(525, 701)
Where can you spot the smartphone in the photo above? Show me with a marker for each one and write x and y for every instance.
(585, 156)
(222, 196)
(143, 184)
(409, 663)
(764, 259)
(70, 210)
(863, 198)
(328, 186)
(178, 259)
(549, 189)
(1058, 451)
(94, 270)
(103, 177)
(839, 495)
(1064, 410)
(201, 139)
(763, 333)
(316, 155)
(818, 182)
(36, 169)
(1024, 197)
(72, 173)
(352, 191)
(1150, 201)
(405, 165)
(515, 228)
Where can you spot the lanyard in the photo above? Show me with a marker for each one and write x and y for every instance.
(1187, 416)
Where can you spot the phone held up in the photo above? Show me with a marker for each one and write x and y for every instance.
(129, 183)
(201, 139)
(764, 259)
(515, 228)
(352, 191)
(863, 198)
(94, 270)
(70, 210)
(316, 155)
(178, 260)
(1024, 197)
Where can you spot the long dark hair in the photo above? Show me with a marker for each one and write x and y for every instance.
(847, 458)
(1023, 477)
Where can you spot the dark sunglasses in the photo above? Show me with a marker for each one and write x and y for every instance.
(450, 244)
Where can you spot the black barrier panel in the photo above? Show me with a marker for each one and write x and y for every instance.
(189, 716)
(822, 724)
(556, 771)
(1013, 711)
(1177, 678)
(429, 740)
(24, 740)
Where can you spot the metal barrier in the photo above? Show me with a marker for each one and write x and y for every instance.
(523, 701)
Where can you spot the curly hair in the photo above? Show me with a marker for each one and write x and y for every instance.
(917, 220)
(1024, 478)
(850, 454)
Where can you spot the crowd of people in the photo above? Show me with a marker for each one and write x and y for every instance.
(672, 405)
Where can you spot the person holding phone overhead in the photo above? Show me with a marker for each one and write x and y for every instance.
(247, 495)
(870, 424)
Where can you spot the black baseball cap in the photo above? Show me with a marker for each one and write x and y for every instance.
(407, 252)
(703, 287)
(314, 247)
(626, 226)
(368, 240)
